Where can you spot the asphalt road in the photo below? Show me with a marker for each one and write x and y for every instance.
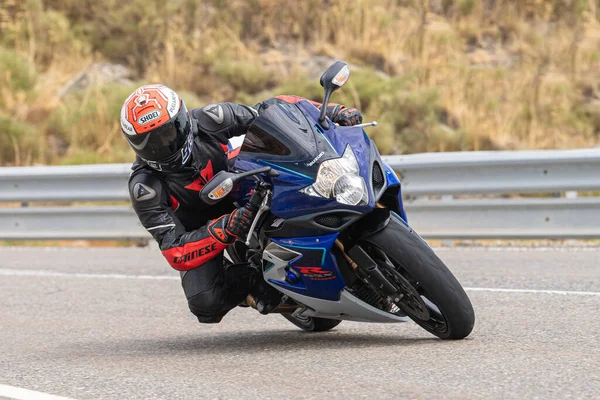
(114, 336)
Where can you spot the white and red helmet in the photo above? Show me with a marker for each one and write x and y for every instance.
(157, 126)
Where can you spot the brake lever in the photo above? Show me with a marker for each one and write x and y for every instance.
(365, 125)
(264, 207)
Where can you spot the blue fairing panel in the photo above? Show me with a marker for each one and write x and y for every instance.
(391, 176)
(320, 275)
(393, 180)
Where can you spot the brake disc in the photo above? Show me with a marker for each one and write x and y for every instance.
(411, 301)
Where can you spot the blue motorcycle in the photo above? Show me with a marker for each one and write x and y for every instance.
(331, 233)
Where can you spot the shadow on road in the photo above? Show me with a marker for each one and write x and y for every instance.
(252, 342)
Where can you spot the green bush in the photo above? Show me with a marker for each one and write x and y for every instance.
(19, 141)
(415, 117)
(44, 34)
(16, 73)
(249, 77)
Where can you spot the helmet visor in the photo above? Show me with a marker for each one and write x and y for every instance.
(164, 141)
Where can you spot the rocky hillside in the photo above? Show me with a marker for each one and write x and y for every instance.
(438, 75)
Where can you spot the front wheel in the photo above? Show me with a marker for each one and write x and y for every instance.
(430, 295)
(312, 324)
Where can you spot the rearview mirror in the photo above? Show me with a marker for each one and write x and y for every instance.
(332, 79)
(222, 183)
(336, 76)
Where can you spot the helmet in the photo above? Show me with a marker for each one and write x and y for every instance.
(157, 126)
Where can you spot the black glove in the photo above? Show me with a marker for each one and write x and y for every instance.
(237, 224)
(346, 116)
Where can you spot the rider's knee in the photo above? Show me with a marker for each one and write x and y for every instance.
(203, 288)
(207, 306)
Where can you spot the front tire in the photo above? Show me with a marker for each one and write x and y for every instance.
(435, 301)
(312, 324)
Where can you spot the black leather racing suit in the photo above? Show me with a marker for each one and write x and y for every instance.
(169, 207)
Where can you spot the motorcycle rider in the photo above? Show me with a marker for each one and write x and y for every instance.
(177, 153)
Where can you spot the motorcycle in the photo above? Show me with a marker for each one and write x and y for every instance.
(331, 234)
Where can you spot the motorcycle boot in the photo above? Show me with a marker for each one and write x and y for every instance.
(265, 297)
(248, 287)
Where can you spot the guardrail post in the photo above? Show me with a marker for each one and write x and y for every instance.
(571, 194)
(447, 242)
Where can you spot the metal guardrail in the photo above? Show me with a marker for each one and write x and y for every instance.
(101, 182)
(37, 223)
(507, 218)
(481, 172)
(422, 175)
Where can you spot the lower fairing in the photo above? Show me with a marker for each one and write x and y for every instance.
(348, 308)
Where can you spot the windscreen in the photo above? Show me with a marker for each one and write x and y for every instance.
(281, 131)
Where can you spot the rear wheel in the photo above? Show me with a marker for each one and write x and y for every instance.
(429, 294)
(312, 324)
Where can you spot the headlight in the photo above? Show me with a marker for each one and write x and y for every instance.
(349, 189)
(340, 178)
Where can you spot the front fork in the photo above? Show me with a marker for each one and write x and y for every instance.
(365, 268)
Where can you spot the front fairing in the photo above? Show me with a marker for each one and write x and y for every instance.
(284, 136)
(295, 127)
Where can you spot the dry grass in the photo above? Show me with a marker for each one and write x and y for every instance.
(439, 75)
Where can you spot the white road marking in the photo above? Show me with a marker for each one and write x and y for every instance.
(519, 249)
(535, 291)
(37, 272)
(17, 393)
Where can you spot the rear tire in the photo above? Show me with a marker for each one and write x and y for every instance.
(312, 324)
(451, 316)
